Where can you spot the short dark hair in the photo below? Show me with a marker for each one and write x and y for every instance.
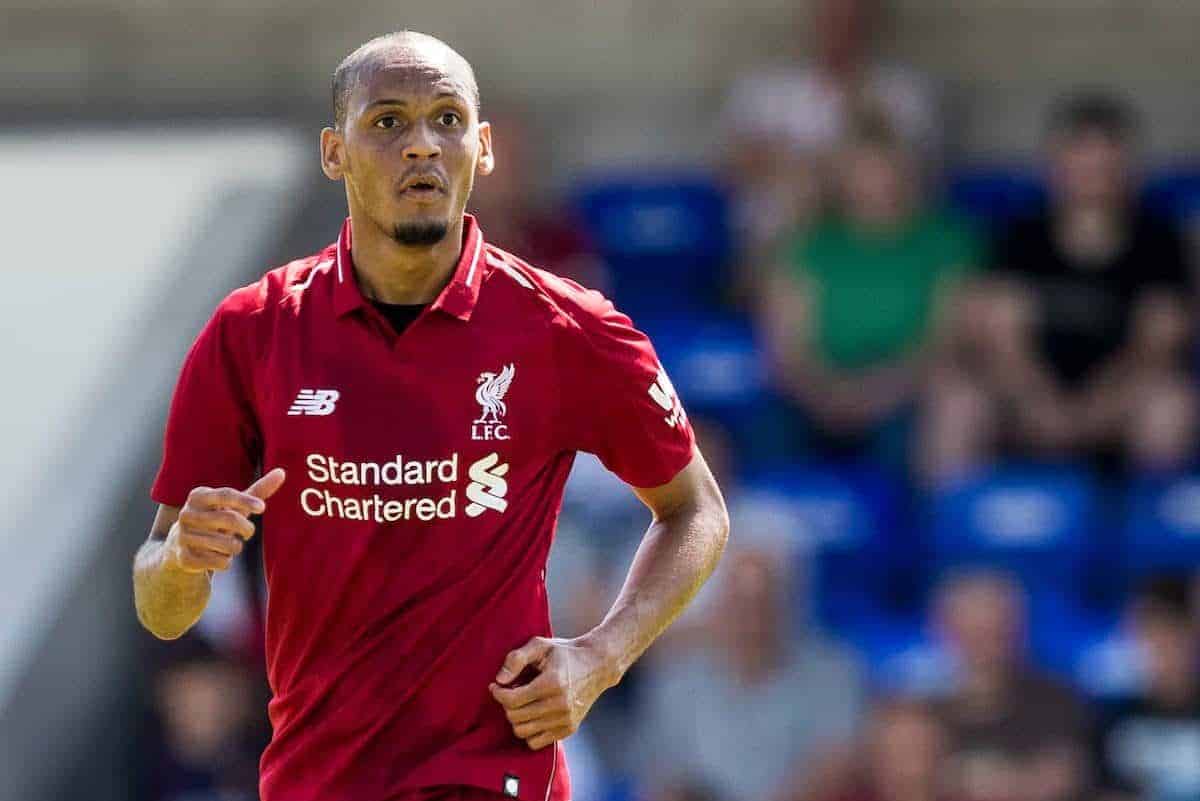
(1093, 111)
(349, 72)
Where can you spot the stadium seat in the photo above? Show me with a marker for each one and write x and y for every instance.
(1174, 192)
(666, 237)
(715, 362)
(995, 195)
(850, 537)
(1106, 663)
(902, 657)
(1034, 521)
(1162, 529)
(713, 359)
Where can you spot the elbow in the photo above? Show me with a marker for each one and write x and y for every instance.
(161, 628)
(719, 526)
(153, 626)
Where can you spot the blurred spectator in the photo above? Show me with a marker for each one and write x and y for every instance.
(783, 122)
(749, 710)
(1014, 734)
(903, 756)
(1079, 344)
(207, 747)
(1148, 745)
(506, 204)
(854, 312)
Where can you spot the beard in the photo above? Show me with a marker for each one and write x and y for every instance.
(417, 234)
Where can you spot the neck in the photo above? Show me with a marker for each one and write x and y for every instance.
(393, 273)
(984, 688)
(1091, 232)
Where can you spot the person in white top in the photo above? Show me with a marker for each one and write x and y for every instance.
(784, 121)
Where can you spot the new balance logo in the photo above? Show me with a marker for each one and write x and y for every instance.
(488, 487)
(663, 393)
(315, 401)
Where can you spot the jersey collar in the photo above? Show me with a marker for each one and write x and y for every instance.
(457, 298)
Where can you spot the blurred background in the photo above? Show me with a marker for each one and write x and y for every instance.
(924, 273)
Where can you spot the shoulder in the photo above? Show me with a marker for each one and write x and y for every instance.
(1157, 230)
(948, 221)
(565, 305)
(952, 231)
(829, 233)
(275, 289)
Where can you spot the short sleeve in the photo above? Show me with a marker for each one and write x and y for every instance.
(211, 437)
(621, 405)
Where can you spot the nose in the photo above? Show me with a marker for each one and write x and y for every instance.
(422, 145)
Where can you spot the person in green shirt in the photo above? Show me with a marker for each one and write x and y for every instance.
(858, 304)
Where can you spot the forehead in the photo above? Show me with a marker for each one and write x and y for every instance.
(411, 73)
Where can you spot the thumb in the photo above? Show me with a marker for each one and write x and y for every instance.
(267, 484)
(530, 653)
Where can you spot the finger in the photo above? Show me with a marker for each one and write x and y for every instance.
(515, 697)
(548, 738)
(193, 558)
(536, 727)
(216, 520)
(268, 484)
(538, 709)
(224, 544)
(226, 498)
(531, 653)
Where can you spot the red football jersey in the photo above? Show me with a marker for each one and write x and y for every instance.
(406, 551)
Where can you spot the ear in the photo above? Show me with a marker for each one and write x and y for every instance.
(333, 154)
(487, 158)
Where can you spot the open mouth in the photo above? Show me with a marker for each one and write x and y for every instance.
(422, 186)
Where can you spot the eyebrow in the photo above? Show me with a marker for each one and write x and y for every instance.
(389, 101)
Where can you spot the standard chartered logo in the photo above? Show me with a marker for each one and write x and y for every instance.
(488, 487)
(432, 488)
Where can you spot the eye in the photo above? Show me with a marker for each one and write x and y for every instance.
(450, 118)
(386, 122)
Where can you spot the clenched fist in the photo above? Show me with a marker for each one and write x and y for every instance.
(570, 677)
(213, 524)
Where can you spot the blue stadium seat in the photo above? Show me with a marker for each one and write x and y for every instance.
(848, 522)
(1034, 521)
(713, 359)
(1105, 662)
(1174, 192)
(995, 195)
(717, 367)
(666, 237)
(901, 656)
(1162, 529)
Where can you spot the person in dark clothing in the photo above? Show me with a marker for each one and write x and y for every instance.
(1147, 745)
(1014, 733)
(1077, 342)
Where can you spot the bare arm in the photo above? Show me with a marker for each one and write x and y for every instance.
(172, 570)
(678, 553)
